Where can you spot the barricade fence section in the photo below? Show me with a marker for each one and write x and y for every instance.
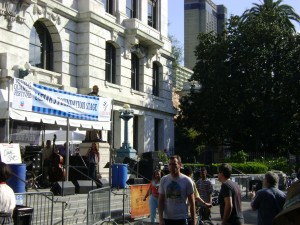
(42, 204)
(107, 203)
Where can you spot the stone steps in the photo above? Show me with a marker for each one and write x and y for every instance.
(72, 209)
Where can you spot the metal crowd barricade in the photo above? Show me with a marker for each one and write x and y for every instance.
(106, 203)
(42, 204)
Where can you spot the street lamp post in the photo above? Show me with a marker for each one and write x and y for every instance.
(126, 150)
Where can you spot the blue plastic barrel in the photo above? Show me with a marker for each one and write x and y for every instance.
(16, 184)
(119, 175)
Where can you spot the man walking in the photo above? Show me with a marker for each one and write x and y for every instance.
(205, 189)
(174, 191)
(268, 201)
(229, 198)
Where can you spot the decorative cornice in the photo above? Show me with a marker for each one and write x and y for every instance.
(152, 51)
(12, 10)
(130, 41)
(47, 13)
(114, 35)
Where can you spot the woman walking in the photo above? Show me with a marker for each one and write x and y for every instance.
(93, 158)
(153, 193)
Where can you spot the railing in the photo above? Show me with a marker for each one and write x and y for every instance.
(252, 156)
(42, 204)
(100, 207)
(242, 179)
(102, 204)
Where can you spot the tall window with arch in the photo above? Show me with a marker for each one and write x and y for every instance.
(131, 8)
(108, 5)
(135, 63)
(152, 13)
(40, 47)
(110, 63)
(155, 79)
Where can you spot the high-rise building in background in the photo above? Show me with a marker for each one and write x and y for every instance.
(200, 16)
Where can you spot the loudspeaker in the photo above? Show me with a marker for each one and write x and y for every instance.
(146, 168)
(150, 155)
(78, 168)
(138, 180)
(63, 188)
(84, 186)
(103, 183)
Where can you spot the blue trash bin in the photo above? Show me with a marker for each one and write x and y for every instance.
(119, 175)
(14, 182)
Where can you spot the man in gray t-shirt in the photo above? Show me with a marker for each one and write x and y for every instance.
(174, 191)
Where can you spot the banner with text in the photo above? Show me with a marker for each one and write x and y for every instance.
(38, 98)
(10, 153)
(139, 207)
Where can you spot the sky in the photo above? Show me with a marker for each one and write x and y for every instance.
(235, 7)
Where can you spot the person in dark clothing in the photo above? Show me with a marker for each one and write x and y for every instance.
(229, 198)
(205, 189)
(93, 135)
(93, 157)
(291, 209)
(268, 201)
(95, 91)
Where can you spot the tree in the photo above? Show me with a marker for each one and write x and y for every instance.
(176, 50)
(275, 11)
(250, 82)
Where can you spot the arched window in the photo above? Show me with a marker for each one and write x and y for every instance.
(110, 63)
(135, 63)
(155, 77)
(40, 47)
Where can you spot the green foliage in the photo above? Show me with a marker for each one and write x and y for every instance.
(239, 156)
(176, 50)
(279, 163)
(163, 157)
(250, 167)
(250, 86)
(244, 168)
(188, 152)
(259, 167)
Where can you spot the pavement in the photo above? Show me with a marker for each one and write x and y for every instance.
(250, 216)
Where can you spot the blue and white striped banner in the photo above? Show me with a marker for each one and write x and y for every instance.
(38, 98)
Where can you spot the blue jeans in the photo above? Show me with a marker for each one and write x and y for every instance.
(92, 170)
(153, 204)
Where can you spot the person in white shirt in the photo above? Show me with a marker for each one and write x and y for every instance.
(7, 196)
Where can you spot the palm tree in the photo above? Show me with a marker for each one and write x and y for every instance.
(273, 11)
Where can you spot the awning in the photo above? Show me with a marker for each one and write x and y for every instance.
(48, 119)
(16, 114)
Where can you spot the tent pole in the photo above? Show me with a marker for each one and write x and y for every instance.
(67, 149)
(7, 136)
(111, 141)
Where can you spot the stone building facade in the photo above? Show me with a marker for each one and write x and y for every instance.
(121, 46)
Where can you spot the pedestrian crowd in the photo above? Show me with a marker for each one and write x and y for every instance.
(179, 199)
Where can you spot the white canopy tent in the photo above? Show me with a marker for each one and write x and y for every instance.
(7, 113)
(75, 136)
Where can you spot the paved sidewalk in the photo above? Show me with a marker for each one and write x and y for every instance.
(250, 216)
